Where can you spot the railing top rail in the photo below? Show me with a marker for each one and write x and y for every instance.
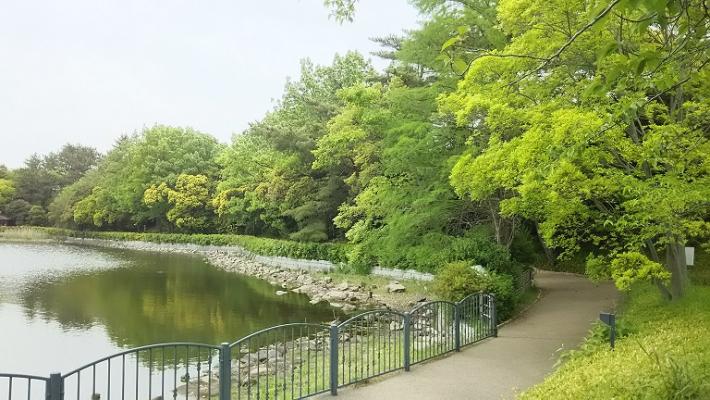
(22, 376)
(471, 296)
(139, 349)
(273, 328)
(429, 303)
(382, 311)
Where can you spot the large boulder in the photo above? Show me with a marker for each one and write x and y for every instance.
(336, 295)
(395, 287)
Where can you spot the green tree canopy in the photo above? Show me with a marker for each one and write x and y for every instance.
(596, 130)
(155, 156)
(268, 184)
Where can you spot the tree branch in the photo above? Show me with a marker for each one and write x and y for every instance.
(569, 42)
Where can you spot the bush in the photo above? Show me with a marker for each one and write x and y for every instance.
(18, 210)
(457, 280)
(662, 353)
(333, 252)
(360, 261)
(36, 216)
(435, 249)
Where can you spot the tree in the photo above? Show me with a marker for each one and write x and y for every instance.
(34, 182)
(71, 162)
(189, 201)
(36, 216)
(152, 157)
(593, 123)
(43, 177)
(341, 10)
(61, 210)
(18, 210)
(268, 181)
(7, 190)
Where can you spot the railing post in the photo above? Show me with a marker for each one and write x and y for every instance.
(54, 387)
(457, 326)
(225, 372)
(334, 360)
(493, 313)
(407, 330)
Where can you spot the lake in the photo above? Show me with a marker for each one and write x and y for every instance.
(62, 306)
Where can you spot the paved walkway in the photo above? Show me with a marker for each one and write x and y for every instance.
(522, 354)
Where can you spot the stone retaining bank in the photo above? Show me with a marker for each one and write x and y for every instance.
(290, 274)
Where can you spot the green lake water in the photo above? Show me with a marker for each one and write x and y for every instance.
(62, 306)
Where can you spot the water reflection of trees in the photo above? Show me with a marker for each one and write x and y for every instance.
(164, 298)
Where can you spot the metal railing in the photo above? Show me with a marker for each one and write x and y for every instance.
(290, 361)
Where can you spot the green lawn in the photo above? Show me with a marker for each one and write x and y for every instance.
(663, 352)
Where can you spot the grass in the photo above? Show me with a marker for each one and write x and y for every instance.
(700, 272)
(663, 351)
(22, 233)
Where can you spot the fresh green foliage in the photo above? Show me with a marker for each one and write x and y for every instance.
(154, 157)
(268, 185)
(341, 10)
(456, 280)
(663, 353)
(334, 252)
(42, 177)
(7, 191)
(189, 201)
(597, 131)
(700, 272)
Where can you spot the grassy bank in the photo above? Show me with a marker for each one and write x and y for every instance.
(663, 351)
(334, 252)
(337, 253)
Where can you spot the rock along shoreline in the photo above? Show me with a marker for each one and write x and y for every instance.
(311, 282)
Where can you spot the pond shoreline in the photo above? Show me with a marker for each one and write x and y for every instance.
(318, 286)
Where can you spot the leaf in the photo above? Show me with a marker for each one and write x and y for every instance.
(658, 6)
(452, 41)
(460, 66)
(463, 29)
(644, 23)
(596, 88)
(609, 48)
(443, 57)
(640, 65)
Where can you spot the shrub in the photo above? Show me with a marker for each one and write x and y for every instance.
(360, 261)
(457, 280)
(36, 216)
(662, 353)
(506, 298)
(435, 249)
(334, 252)
(525, 247)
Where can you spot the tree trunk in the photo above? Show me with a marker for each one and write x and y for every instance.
(549, 255)
(653, 254)
(676, 264)
(495, 220)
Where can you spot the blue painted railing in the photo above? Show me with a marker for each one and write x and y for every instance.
(290, 361)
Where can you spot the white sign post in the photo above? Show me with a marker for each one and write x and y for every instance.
(690, 256)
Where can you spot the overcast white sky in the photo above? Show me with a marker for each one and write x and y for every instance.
(87, 71)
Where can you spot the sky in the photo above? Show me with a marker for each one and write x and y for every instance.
(88, 71)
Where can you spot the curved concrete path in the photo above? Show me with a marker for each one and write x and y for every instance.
(524, 352)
